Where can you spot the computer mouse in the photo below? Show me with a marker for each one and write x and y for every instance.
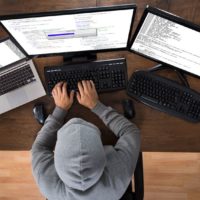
(128, 107)
(39, 113)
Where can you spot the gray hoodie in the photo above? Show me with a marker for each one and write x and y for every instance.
(81, 168)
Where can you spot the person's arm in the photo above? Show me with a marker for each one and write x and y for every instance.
(128, 145)
(46, 139)
(44, 144)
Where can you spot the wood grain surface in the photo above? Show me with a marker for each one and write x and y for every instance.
(159, 131)
(167, 176)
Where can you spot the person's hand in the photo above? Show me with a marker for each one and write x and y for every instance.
(87, 95)
(61, 98)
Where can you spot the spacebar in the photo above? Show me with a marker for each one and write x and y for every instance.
(149, 98)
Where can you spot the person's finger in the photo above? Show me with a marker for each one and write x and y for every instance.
(89, 86)
(72, 96)
(92, 84)
(58, 84)
(85, 86)
(78, 96)
(64, 89)
(58, 90)
(54, 92)
(80, 88)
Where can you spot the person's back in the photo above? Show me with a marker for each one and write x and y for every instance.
(70, 162)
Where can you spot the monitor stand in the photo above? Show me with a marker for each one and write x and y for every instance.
(179, 73)
(79, 58)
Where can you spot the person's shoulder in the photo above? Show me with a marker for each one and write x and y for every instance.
(52, 187)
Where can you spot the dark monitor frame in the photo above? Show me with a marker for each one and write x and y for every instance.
(168, 16)
(72, 11)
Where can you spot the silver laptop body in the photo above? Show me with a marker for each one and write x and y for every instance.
(23, 94)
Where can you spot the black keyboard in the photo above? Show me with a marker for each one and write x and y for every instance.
(165, 95)
(14, 78)
(108, 75)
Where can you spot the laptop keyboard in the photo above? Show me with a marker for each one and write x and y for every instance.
(15, 78)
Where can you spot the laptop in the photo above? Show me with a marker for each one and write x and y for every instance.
(19, 80)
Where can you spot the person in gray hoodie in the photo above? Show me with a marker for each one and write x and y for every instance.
(70, 162)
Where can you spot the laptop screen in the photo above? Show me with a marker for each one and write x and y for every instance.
(9, 53)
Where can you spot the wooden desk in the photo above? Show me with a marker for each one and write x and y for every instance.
(159, 131)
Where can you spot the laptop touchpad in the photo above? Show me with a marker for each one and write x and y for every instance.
(17, 97)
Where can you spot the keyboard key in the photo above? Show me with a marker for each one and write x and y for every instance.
(165, 95)
(108, 75)
(16, 79)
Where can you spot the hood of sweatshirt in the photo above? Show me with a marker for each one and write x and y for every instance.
(79, 154)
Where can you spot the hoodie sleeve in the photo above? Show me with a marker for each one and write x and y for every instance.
(43, 155)
(128, 145)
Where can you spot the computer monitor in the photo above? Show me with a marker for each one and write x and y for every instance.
(72, 31)
(168, 39)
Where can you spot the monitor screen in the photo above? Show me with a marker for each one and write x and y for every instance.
(9, 52)
(84, 30)
(168, 39)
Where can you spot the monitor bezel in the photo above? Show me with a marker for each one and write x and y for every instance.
(168, 16)
(67, 12)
